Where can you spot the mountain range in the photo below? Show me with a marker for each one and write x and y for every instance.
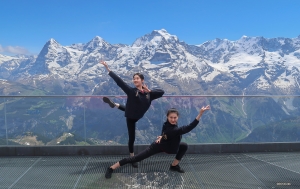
(250, 65)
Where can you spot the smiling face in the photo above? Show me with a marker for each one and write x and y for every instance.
(138, 80)
(173, 118)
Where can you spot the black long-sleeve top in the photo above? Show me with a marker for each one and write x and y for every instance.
(137, 102)
(171, 135)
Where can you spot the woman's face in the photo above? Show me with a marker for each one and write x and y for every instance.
(172, 118)
(137, 81)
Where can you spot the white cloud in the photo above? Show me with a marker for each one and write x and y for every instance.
(13, 50)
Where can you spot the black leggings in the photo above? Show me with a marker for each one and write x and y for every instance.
(121, 107)
(131, 129)
(131, 132)
(154, 148)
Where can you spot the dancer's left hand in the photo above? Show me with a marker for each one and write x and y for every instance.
(145, 87)
(203, 109)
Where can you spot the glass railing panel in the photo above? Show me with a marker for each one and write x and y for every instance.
(33, 120)
(105, 125)
(43, 120)
(3, 128)
(271, 119)
(87, 120)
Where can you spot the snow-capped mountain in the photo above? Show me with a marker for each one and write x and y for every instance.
(258, 63)
(251, 65)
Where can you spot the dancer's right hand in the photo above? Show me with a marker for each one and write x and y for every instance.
(158, 139)
(105, 64)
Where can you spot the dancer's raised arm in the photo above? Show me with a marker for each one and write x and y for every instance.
(173, 132)
(124, 86)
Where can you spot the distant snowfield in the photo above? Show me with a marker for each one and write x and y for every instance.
(284, 81)
(210, 76)
(4, 58)
(262, 83)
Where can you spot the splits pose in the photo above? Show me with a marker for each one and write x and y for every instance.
(168, 142)
(139, 99)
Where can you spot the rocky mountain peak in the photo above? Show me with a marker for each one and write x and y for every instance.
(155, 38)
(96, 43)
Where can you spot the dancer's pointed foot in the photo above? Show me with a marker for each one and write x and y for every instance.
(108, 173)
(176, 168)
(135, 164)
(109, 102)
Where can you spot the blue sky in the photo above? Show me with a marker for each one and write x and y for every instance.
(26, 25)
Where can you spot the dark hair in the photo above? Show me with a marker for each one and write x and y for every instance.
(140, 75)
(172, 110)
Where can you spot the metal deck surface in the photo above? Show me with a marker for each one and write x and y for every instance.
(213, 171)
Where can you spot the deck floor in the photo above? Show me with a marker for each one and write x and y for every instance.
(213, 171)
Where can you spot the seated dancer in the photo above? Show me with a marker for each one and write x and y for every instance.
(139, 99)
(168, 142)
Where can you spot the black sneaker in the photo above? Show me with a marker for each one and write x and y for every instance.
(108, 173)
(109, 102)
(135, 164)
(176, 168)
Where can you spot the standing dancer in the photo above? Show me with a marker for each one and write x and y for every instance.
(168, 142)
(138, 102)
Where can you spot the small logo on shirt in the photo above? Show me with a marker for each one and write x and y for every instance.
(164, 136)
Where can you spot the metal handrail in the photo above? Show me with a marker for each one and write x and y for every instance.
(82, 96)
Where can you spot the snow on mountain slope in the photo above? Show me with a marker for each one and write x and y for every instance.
(4, 58)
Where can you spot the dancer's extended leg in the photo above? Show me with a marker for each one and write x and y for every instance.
(151, 150)
(113, 104)
(181, 151)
